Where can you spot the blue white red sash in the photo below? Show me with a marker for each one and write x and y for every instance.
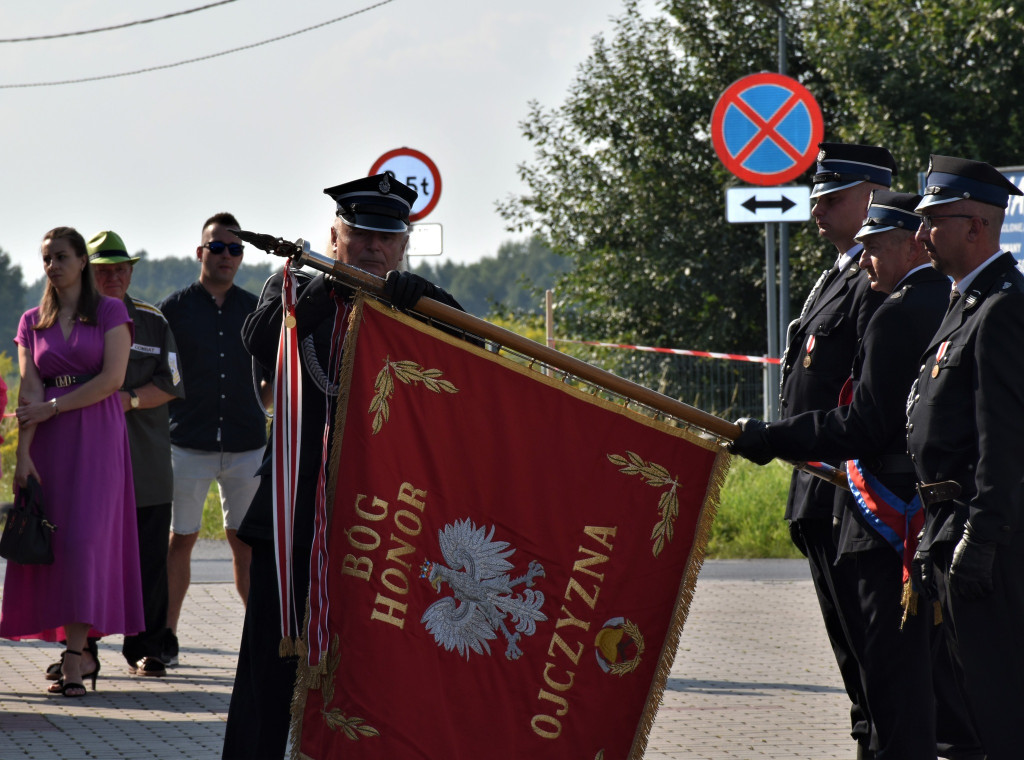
(896, 521)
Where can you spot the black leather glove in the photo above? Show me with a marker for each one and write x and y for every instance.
(752, 442)
(797, 537)
(922, 569)
(404, 289)
(970, 574)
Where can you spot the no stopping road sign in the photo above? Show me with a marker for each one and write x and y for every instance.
(766, 128)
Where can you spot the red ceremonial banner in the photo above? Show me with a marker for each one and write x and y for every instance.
(511, 560)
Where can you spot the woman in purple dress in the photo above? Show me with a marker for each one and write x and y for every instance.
(73, 351)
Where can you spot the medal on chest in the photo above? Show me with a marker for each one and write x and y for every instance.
(809, 351)
(938, 358)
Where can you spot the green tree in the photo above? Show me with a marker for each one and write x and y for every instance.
(511, 282)
(12, 300)
(624, 180)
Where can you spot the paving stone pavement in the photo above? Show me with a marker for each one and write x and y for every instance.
(753, 678)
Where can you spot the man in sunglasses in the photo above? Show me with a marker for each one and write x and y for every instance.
(964, 420)
(218, 430)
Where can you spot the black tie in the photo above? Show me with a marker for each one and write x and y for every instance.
(954, 296)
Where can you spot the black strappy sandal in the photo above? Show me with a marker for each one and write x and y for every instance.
(62, 686)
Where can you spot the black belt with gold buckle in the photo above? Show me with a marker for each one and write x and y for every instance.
(66, 381)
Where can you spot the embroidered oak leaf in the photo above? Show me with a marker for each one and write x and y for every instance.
(408, 372)
(668, 503)
(353, 727)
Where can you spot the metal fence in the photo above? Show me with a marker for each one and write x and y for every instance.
(722, 387)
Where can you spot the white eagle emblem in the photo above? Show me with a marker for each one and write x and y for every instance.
(478, 573)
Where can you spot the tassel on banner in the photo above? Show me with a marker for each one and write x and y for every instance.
(286, 648)
(908, 602)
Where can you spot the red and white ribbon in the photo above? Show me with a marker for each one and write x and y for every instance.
(286, 444)
(677, 351)
(319, 604)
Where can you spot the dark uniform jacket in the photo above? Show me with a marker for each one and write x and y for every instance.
(153, 359)
(314, 316)
(966, 410)
(872, 428)
(812, 380)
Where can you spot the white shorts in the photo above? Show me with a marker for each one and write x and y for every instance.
(195, 470)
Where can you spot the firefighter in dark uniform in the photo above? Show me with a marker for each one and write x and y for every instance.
(370, 231)
(820, 348)
(965, 414)
(895, 665)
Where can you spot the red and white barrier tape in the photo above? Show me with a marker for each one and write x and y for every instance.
(678, 351)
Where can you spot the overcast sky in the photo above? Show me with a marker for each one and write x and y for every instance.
(261, 132)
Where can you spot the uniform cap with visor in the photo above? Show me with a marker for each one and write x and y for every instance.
(843, 165)
(952, 179)
(890, 211)
(380, 203)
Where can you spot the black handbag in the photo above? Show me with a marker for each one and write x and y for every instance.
(28, 535)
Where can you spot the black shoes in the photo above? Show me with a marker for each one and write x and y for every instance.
(170, 652)
(148, 667)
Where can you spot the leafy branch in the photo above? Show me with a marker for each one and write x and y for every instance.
(353, 727)
(408, 372)
(668, 503)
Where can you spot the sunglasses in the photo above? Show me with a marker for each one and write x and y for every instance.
(215, 246)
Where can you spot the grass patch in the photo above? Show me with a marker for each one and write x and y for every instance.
(749, 523)
(213, 518)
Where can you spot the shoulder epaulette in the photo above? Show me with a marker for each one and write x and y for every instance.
(147, 307)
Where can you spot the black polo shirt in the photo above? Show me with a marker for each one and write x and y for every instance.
(220, 411)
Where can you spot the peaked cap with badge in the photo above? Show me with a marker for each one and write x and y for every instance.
(843, 165)
(380, 203)
(107, 248)
(951, 179)
(888, 210)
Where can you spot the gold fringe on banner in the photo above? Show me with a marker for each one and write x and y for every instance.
(307, 678)
(355, 318)
(689, 585)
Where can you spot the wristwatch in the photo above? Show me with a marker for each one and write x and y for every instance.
(135, 399)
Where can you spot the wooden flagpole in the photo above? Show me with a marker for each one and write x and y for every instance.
(300, 252)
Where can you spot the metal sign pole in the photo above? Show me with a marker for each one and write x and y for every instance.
(783, 296)
(771, 371)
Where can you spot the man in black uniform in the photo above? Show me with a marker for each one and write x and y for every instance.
(965, 415)
(895, 665)
(821, 346)
(370, 232)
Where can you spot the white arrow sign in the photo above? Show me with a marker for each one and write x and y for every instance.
(789, 203)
